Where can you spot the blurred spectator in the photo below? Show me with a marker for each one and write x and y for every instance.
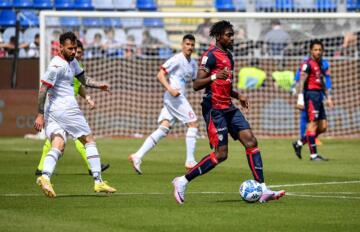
(111, 45)
(349, 45)
(94, 49)
(319, 29)
(2, 50)
(283, 78)
(150, 45)
(34, 47)
(55, 44)
(203, 30)
(130, 47)
(10, 48)
(251, 77)
(241, 44)
(276, 40)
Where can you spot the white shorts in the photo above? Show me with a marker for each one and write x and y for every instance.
(66, 122)
(177, 108)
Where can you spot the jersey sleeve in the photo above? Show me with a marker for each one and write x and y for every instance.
(305, 67)
(78, 70)
(195, 70)
(51, 74)
(170, 65)
(208, 62)
(297, 75)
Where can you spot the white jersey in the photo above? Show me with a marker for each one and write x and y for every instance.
(180, 70)
(59, 77)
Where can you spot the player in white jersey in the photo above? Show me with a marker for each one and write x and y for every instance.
(180, 69)
(62, 116)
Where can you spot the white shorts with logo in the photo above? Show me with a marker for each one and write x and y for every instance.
(66, 122)
(177, 108)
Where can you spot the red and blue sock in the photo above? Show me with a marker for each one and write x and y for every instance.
(205, 165)
(311, 140)
(253, 156)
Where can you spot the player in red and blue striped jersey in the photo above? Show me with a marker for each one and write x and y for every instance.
(297, 145)
(312, 91)
(221, 116)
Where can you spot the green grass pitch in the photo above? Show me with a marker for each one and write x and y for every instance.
(321, 196)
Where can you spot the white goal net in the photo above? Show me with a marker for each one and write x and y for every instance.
(126, 49)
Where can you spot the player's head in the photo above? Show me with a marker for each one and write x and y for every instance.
(188, 45)
(79, 50)
(223, 32)
(68, 45)
(316, 49)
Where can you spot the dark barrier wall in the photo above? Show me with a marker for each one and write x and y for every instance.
(27, 74)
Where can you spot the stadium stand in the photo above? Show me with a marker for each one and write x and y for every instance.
(43, 4)
(124, 4)
(29, 18)
(23, 4)
(64, 4)
(146, 5)
(83, 5)
(103, 4)
(224, 5)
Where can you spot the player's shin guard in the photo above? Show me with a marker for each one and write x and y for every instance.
(50, 162)
(45, 151)
(152, 140)
(311, 140)
(255, 162)
(205, 165)
(190, 144)
(93, 158)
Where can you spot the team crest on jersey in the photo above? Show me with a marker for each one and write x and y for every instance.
(204, 60)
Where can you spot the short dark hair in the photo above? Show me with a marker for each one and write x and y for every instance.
(218, 28)
(79, 44)
(189, 37)
(37, 36)
(316, 41)
(67, 36)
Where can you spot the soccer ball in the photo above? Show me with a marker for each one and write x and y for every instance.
(250, 191)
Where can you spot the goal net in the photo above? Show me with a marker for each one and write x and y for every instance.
(126, 49)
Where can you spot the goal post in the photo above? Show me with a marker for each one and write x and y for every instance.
(132, 107)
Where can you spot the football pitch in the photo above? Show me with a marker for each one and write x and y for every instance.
(321, 196)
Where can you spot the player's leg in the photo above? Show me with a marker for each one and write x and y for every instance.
(297, 145)
(190, 140)
(93, 158)
(45, 150)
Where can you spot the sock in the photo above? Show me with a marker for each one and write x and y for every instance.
(303, 140)
(46, 149)
(311, 140)
(81, 149)
(93, 158)
(50, 162)
(190, 143)
(151, 141)
(255, 163)
(205, 165)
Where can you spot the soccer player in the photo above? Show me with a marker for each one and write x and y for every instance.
(78, 89)
(311, 92)
(179, 69)
(62, 116)
(297, 145)
(221, 116)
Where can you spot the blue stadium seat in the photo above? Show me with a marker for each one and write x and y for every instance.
(124, 4)
(23, 4)
(240, 5)
(92, 22)
(43, 4)
(64, 4)
(103, 4)
(284, 5)
(6, 4)
(146, 5)
(224, 5)
(112, 22)
(70, 22)
(29, 18)
(265, 5)
(83, 5)
(353, 5)
(153, 22)
(7, 18)
(326, 5)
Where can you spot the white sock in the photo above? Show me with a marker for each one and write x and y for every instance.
(299, 143)
(263, 187)
(313, 156)
(93, 158)
(151, 141)
(191, 143)
(183, 179)
(50, 162)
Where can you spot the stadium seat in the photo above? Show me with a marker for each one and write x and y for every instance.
(146, 5)
(224, 5)
(124, 4)
(30, 33)
(29, 18)
(92, 22)
(153, 22)
(64, 4)
(7, 18)
(23, 4)
(42, 4)
(326, 5)
(160, 34)
(70, 22)
(240, 5)
(265, 5)
(6, 4)
(112, 22)
(165, 53)
(132, 22)
(103, 4)
(83, 5)
(307, 5)
(284, 5)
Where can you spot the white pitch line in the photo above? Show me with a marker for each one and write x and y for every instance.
(321, 196)
(310, 184)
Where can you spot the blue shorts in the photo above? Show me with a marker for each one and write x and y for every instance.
(220, 122)
(314, 105)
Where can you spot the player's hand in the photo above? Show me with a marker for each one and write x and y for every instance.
(329, 103)
(91, 103)
(222, 74)
(244, 101)
(39, 122)
(300, 107)
(293, 91)
(105, 87)
(174, 92)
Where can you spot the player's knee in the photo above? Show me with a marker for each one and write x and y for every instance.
(193, 124)
(221, 154)
(164, 129)
(251, 142)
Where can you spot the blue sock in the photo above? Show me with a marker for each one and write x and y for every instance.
(206, 164)
(255, 162)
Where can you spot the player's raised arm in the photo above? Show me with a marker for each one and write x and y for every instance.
(39, 121)
(91, 83)
(161, 76)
